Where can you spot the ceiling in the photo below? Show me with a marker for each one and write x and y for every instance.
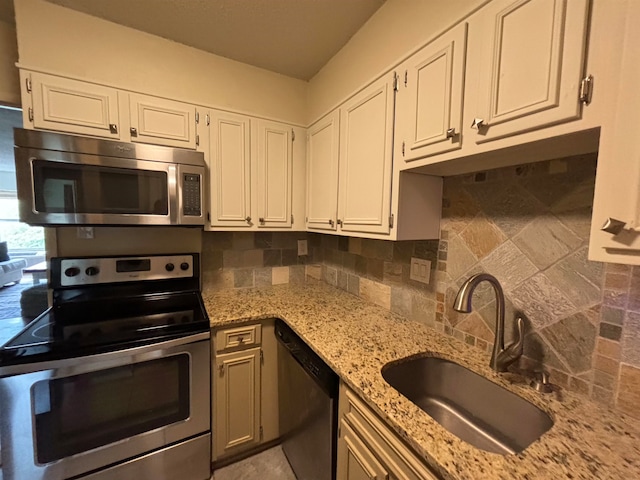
(292, 37)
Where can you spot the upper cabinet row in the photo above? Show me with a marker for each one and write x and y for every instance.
(73, 106)
(516, 66)
(250, 161)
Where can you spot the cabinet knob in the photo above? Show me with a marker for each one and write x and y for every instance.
(477, 124)
(261, 220)
(451, 133)
(613, 226)
(339, 222)
(113, 128)
(248, 219)
(331, 222)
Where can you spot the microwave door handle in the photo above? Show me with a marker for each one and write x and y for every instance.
(175, 207)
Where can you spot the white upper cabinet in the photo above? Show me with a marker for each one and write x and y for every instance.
(274, 169)
(529, 67)
(229, 170)
(429, 98)
(366, 141)
(162, 122)
(72, 106)
(322, 172)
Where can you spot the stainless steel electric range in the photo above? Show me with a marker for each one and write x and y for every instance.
(113, 381)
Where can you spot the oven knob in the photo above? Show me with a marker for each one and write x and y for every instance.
(91, 271)
(184, 266)
(169, 267)
(72, 271)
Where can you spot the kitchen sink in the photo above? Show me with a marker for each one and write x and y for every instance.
(471, 407)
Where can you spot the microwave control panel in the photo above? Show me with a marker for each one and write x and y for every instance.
(191, 195)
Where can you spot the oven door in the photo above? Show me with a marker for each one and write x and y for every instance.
(57, 188)
(75, 416)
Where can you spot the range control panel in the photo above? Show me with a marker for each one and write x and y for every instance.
(94, 271)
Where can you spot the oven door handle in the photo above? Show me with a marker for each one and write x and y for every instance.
(89, 363)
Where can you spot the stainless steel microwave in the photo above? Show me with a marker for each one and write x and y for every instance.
(71, 180)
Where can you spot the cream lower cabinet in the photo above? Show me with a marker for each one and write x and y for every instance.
(66, 105)
(245, 389)
(369, 450)
(526, 58)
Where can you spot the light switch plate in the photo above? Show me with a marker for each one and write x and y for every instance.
(420, 270)
(302, 247)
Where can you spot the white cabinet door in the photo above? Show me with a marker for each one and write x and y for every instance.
(530, 67)
(72, 106)
(322, 172)
(237, 401)
(366, 141)
(355, 460)
(162, 122)
(429, 98)
(274, 166)
(230, 166)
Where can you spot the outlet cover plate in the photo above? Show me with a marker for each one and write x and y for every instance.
(302, 247)
(420, 270)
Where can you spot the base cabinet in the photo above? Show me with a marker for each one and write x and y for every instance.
(369, 450)
(245, 390)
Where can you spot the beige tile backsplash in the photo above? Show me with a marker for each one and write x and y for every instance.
(528, 226)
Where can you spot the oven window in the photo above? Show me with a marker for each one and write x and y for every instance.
(70, 188)
(76, 414)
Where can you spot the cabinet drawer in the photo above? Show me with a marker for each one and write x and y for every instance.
(381, 440)
(245, 336)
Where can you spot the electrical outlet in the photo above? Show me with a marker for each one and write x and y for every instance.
(302, 247)
(420, 270)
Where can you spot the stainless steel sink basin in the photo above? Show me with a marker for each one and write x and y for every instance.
(471, 407)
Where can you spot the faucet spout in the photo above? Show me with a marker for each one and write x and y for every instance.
(501, 357)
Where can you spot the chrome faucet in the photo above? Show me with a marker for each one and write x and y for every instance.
(501, 357)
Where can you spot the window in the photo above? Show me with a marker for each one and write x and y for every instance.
(19, 236)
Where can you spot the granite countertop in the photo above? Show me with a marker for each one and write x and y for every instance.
(357, 338)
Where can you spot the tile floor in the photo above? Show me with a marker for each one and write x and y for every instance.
(268, 465)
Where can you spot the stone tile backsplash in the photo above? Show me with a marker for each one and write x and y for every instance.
(528, 226)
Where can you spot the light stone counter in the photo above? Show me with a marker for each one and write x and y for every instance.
(356, 339)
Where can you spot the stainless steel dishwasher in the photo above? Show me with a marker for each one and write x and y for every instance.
(308, 396)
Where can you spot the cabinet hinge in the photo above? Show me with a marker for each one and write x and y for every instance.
(292, 218)
(221, 369)
(261, 433)
(406, 77)
(586, 90)
(28, 82)
(30, 113)
(208, 119)
(197, 140)
(403, 148)
(261, 356)
(293, 135)
(197, 117)
(391, 221)
(395, 81)
(208, 217)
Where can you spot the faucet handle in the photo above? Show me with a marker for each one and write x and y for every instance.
(517, 347)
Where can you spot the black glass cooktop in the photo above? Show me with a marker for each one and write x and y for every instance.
(80, 328)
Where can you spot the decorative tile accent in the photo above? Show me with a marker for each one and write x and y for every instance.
(574, 339)
(509, 265)
(542, 301)
(280, 275)
(481, 236)
(578, 278)
(376, 292)
(629, 391)
(631, 339)
(546, 240)
(608, 348)
(612, 332)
